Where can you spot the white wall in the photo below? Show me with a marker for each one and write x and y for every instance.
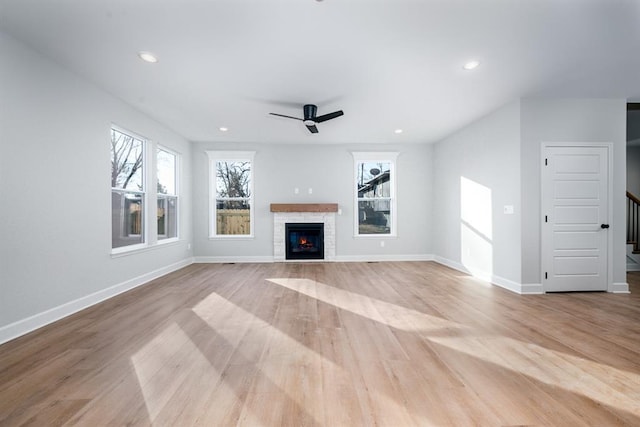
(328, 170)
(477, 173)
(570, 120)
(55, 191)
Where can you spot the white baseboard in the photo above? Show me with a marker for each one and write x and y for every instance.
(620, 288)
(532, 289)
(24, 326)
(232, 259)
(344, 258)
(386, 257)
(491, 278)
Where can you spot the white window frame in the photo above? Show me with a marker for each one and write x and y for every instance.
(146, 161)
(176, 195)
(376, 156)
(237, 156)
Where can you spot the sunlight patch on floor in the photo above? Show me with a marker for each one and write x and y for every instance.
(383, 312)
(265, 345)
(593, 380)
(169, 363)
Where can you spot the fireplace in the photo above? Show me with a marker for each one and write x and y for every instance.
(304, 240)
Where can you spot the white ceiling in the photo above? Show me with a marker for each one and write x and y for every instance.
(388, 64)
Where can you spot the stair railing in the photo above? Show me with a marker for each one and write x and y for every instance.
(633, 221)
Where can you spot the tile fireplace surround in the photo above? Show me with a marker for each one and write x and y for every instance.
(324, 213)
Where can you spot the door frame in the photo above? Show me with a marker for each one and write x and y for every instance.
(609, 146)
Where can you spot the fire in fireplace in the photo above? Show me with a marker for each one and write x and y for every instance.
(304, 240)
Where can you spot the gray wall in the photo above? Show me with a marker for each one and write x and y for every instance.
(633, 152)
(570, 120)
(328, 170)
(55, 187)
(633, 169)
(483, 158)
(633, 126)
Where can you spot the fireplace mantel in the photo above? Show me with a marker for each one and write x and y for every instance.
(304, 207)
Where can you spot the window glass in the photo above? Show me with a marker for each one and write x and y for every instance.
(233, 197)
(127, 189)
(375, 194)
(231, 194)
(167, 217)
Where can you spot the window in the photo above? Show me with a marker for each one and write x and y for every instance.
(375, 188)
(128, 194)
(167, 195)
(231, 193)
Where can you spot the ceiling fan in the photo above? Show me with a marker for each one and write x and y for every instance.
(310, 119)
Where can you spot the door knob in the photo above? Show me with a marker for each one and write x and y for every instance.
(604, 225)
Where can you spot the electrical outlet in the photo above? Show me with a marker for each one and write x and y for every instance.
(310, 190)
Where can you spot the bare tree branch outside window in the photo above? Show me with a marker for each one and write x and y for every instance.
(233, 197)
(233, 179)
(126, 161)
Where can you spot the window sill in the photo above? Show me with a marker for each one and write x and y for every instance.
(137, 249)
(375, 236)
(231, 237)
(168, 241)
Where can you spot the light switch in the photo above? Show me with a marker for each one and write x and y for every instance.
(508, 209)
(310, 190)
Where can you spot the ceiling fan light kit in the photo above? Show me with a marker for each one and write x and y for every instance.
(310, 119)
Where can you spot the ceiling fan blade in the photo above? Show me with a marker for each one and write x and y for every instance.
(329, 116)
(312, 128)
(282, 115)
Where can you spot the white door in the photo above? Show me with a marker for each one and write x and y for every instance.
(575, 207)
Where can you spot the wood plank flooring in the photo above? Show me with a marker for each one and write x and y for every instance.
(330, 344)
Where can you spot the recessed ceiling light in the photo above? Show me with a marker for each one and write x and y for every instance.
(398, 131)
(471, 65)
(148, 57)
(223, 129)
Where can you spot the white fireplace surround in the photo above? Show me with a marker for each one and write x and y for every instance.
(326, 218)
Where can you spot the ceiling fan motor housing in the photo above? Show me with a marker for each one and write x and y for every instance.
(310, 111)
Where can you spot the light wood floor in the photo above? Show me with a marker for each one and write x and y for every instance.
(335, 344)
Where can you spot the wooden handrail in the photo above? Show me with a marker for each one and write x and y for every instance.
(633, 197)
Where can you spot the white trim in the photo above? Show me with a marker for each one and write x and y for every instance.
(487, 277)
(215, 156)
(232, 237)
(532, 289)
(145, 248)
(24, 326)
(386, 257)
(620, 288)
(233, 259)
(344, 258)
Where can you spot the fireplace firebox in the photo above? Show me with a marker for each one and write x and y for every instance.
(304, 240)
